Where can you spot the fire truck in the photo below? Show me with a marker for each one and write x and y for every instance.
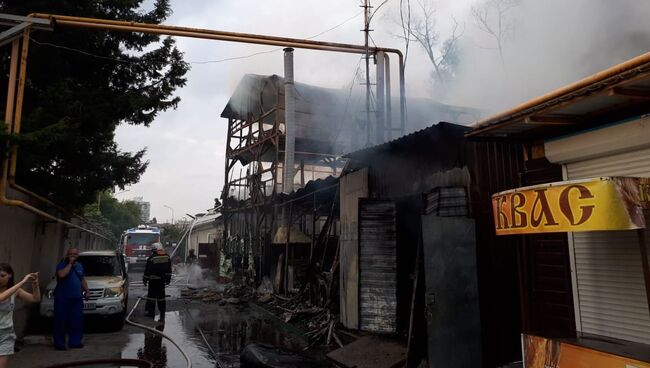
(137, 243)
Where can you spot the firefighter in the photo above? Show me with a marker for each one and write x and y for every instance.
(191, 258)
(157, 274)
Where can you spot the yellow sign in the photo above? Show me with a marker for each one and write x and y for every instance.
(613, 203)
(540, 352)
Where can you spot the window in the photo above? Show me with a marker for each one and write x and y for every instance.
(142, 238)
(101, 265)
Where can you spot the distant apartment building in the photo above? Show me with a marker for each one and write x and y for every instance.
(145, 209)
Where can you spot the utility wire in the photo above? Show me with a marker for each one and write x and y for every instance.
(81, 52)
(276, 49)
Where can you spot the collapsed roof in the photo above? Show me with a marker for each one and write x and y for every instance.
(330, 115)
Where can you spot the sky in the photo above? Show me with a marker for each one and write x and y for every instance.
(552, 43)
(186, 146)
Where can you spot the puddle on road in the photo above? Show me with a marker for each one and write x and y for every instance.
(228, 330)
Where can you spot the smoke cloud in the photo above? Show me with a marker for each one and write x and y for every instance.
(553, 43)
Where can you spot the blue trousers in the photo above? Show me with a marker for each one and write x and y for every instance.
(68, 317)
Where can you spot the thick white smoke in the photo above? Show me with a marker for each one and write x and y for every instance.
(554, 43)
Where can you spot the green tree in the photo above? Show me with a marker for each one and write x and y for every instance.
(112, 214)
(81, 85)
(171, 233)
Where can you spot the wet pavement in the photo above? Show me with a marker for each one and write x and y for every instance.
(197, 327)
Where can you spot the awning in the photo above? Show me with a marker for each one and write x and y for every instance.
(612, 95)
(608, 203)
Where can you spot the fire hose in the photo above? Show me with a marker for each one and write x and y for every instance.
(214, 355)
(205, 340)
(154, 331)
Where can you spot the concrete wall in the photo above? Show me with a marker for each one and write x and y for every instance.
(206, 233)
(30, 243)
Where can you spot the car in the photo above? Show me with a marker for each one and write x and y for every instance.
(108, 282)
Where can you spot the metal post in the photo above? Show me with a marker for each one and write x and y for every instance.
(289, 121)
(366, 31)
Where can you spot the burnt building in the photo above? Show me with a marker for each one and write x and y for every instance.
(419, 257)
(328, 123)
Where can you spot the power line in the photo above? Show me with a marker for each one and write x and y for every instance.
(82, 52)
(276, 49)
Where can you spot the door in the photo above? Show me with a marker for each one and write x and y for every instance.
(451, 294)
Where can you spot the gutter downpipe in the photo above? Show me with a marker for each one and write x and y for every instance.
(116, 25)
(12, 103)
(479, 127)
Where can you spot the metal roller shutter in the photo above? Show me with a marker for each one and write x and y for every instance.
(610, 289)
(377, 266)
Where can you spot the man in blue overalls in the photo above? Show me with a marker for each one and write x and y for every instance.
(68, 301)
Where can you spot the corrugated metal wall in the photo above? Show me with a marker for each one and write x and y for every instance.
(416, 164)
(495, 167)
(377, 266)
(609, 277)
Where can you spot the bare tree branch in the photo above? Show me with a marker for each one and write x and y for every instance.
(490, 17)
(406, 25)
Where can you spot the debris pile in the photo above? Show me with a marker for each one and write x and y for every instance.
(318, 322)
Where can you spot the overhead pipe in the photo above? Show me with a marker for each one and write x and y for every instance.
(160, 29)
(104, 24)
(16, 103)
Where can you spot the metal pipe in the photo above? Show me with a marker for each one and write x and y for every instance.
(178, 245)
(402, 95)
(116, 25)
(289, 122)
(11, 95)
(16, 122)
(380, 129)
(389, 111)
(14, 103)
(491, 122)
(19, 98)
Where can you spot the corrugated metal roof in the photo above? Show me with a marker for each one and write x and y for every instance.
(612, 95)
(418, 137)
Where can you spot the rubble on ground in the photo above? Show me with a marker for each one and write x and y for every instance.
(319, 324)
